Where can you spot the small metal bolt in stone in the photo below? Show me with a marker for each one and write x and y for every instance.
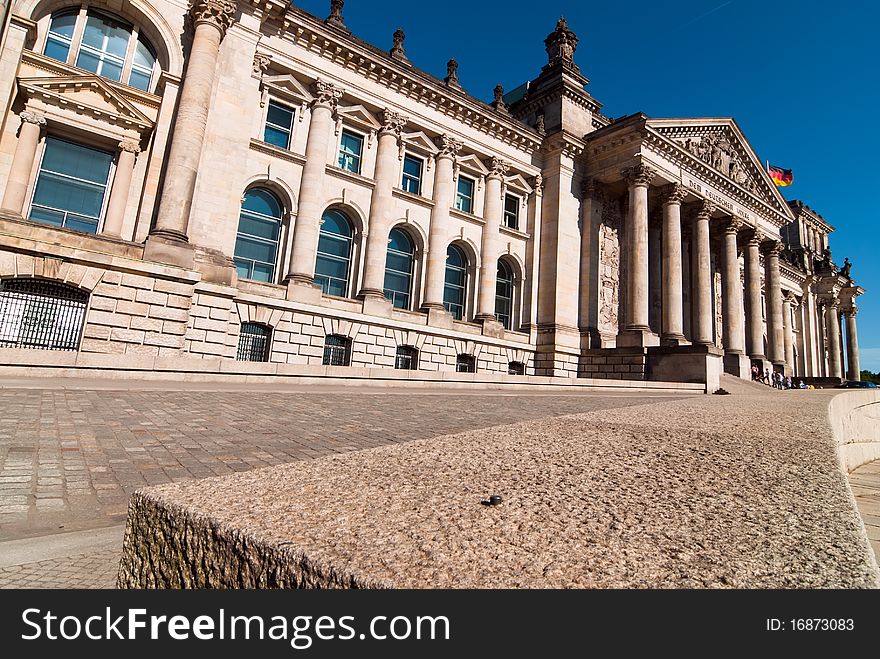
(493, 500)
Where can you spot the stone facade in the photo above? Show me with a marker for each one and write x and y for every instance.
(584, 242)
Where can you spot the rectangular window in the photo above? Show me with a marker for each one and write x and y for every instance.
(511, 211)
(279, 125)
(71, 186)
(104, 44)
(412, 174)
(337, 350)
(350, 148)
(464, 196)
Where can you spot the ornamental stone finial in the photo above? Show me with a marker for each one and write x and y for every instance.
(639, 175)
(335, 17)
(397, 51)
(674, 193)
(498, 103)
(449, 146)
(131, 146)
(219, 13)
(498, 168)
(326, 93)
(561, 44)
(30, 117)
(392, 122)
(451, 78)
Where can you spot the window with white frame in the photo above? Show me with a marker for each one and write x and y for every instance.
(511, 211)
(464, 195)
(412, 174)
(71, 189)
(279, 125)
(102, 43)
(351, 147)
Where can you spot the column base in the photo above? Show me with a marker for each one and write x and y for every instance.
(491, 327)
(7, 214)
(438, 316)
(738, 364)
(375, 305)
(303, 291)
(162, 248)
(636, 336)
(673, 340)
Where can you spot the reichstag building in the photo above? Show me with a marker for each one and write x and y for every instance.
(245, 182)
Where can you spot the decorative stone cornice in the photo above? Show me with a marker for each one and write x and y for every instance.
(392, 122)
(130, 146)
(219, 13)
(497, 168)
(674, 193)
(640, 175)
(30, 117)
(448, 146)
(326, 93)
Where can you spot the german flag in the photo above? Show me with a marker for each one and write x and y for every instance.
(781, 177)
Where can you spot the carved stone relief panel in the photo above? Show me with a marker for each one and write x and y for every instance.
(610, 237)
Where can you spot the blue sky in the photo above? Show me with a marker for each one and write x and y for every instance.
(801, 79)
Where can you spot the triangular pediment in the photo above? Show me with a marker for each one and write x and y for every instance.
(470, 161)
(720, 145)
(419, 140)
(518, 183)
(288, 87)
(84, 92)
(359, 115)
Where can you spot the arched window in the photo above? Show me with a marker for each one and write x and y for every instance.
(333, 264)
(254, 342)
(455, 289)
(406, 358)
(35, 313)
(259, 230)
(399, 269)
(465, 364)
(337, 350)
(504, 295)
(516, 368)
(103, 44)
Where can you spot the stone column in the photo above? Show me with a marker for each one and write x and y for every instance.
(672, 324)
(381, 203)
(788, 332)
(832, 327)
(702, 277)
(754, 320)
(438, 236)
(116, 205)
(732, 292)
(773, 295)
(306, 228)
(853, 371)
(211, 19)
(491, 243)
(636, 325)
(32, 124)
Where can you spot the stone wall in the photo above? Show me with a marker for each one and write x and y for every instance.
(613, 364)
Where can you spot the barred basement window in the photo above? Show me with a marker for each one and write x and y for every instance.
(337, 350)
(465, 364)
(254, 342)
(407, 358)
(516, 368)
(35, 313)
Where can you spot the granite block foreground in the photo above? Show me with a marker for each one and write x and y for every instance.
(719, 491)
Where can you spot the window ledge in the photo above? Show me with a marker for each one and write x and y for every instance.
(467, 217)
(277, 151)
(516, 233)
(416, 199)
(332, 170)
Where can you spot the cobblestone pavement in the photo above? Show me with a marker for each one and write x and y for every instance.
(70, 458)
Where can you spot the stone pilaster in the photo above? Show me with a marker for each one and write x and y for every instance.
(32, 124)
(637, 331)
(211, 19)
(701, 277)
(118, 202)
(754, 320)
(672, 324)
(381, 203)
(832, 328)
(311, 188)
(853, 371)
(438, 236)
(773, 296)
(491, 243)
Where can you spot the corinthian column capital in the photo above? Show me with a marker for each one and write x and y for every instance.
(674, 193)
(734, 225)
(449, 146)
(326, 94)
(392, 122)
(498, 168)
(706, 209)
(219, 13)
(639, 175)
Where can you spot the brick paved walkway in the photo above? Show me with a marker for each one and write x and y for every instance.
(69, 458)
(865, 483)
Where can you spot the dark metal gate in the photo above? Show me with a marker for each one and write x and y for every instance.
(253, 343)
(36, 313)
